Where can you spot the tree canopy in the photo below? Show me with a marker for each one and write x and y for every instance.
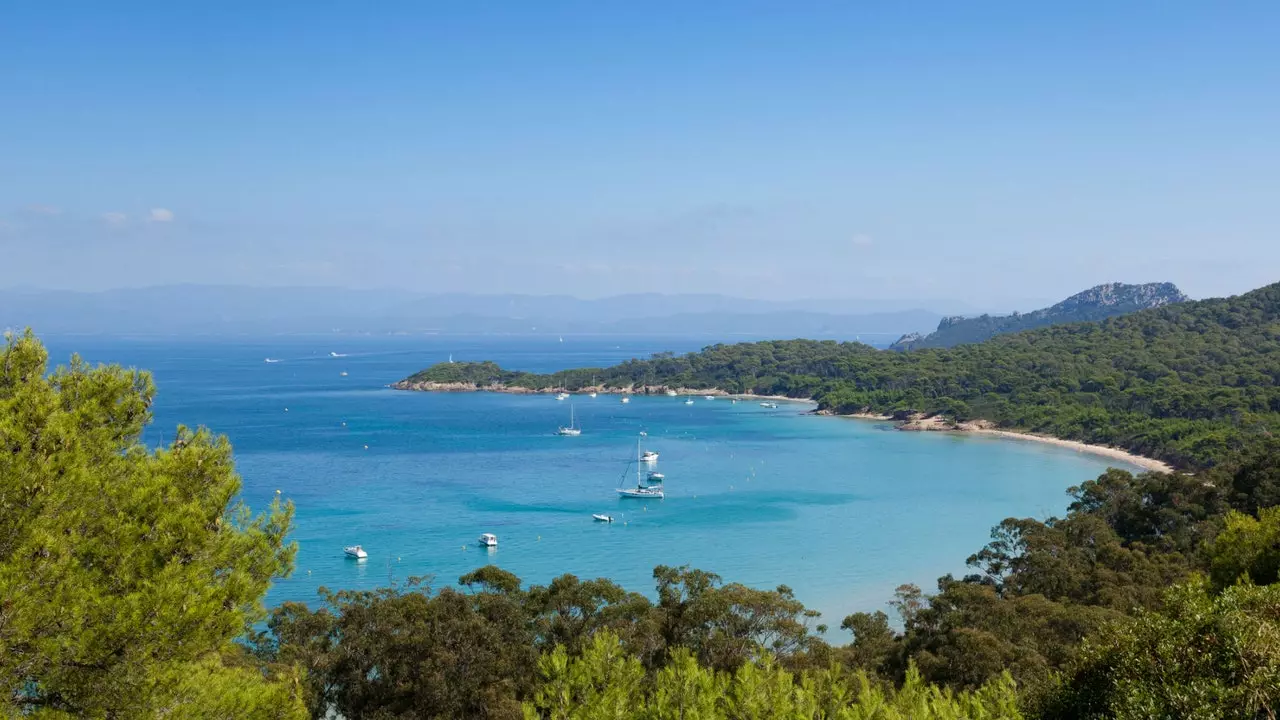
(125, 572)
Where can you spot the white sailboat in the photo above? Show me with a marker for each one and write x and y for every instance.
(572, 429)
(640, 491)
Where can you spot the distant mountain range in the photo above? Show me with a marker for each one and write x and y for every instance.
(1096, 303)
(222, 310)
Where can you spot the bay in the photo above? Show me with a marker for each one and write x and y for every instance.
(840, 510)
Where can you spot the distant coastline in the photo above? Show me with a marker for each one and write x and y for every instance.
(934, 423)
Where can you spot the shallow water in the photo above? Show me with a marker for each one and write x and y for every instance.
(840, 510)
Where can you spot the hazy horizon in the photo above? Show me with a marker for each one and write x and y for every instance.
(1004, 155)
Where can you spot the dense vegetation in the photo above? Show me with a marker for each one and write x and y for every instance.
(125, 573)
(1096, 303)
(1190, 383)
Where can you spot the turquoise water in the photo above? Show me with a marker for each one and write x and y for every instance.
(841, 510)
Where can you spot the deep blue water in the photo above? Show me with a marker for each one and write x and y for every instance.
(841, 510)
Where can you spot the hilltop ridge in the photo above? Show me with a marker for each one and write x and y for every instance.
(1096, 303)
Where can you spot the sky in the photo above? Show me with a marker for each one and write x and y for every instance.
(999, 152)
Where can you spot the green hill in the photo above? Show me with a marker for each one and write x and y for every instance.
(1096, 303)
(1189, 383)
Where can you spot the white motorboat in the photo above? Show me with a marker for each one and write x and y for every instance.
(272, 360)
(343, 373)
(768, 404)
(601, 517)
(671, 393)
(708, 397)
(649, 456)
(355, 551)
(626, 399)
(655, 477)
(489, 540)
(562, 396)
(336, 354)
(572, 430)
(641, 491)
(591, 394)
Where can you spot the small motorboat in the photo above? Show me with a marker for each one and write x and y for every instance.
(591, 394)
(601, 517)
(272, 360)
(343, 373)
(355, 551)
(769, 405)
(649, 456)
(656, 477)
(671, 393)
(708, 397)
(562, 396)
(489, 540)
(626, 399)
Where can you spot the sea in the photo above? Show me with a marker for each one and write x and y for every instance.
(840, 510)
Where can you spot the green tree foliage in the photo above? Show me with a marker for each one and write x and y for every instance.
(1205, 656)
(1247, 549)
(125, 573)
(606, 683)
(413, 653)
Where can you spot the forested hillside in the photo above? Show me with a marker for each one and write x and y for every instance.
(1096, 303)
(1187, 383)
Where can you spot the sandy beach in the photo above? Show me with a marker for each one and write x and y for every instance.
(1104, 450)
(937, 424)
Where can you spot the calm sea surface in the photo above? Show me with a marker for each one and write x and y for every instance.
(841, 510)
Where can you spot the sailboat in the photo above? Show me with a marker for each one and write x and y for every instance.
(572, 430)
(450, 358)
(593, 385)
(640, 491)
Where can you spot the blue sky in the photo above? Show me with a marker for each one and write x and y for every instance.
(994, 151)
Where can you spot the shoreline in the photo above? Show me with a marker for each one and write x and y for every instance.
(1142, 461)
(917, 423)
(983, 429)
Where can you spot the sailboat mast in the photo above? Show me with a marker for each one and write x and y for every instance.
(638, 459)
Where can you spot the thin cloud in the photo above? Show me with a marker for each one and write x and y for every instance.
(43, 209)
(115, 219)
(863, 241)
(161, 215)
